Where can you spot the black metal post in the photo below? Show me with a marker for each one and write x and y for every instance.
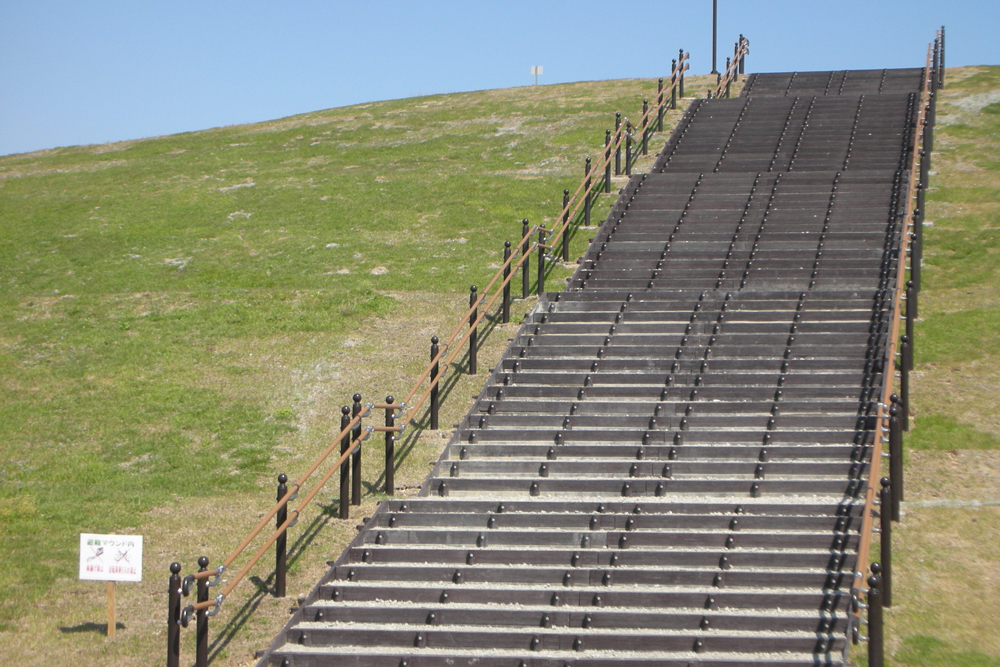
(390, 440)
(911, 313)
(628, 153)
(201, 626)
(941, 77)
(885, 525)
(345, 466)
(876, 654)
(916, 251)
(715, 30)
(728, 78)
(673, 84)
(895, 459)
(607, 160)
(905, 364)
(659, 105)
(680, 63)
(526, 264)
(586, 209)
(934, 63)
(645, 127)
(565, 222)
(435, 382)
(928, 133)
(356, 462)
(542, 235)
(280, 545)
(174, 616)
(505, 306)
(739, 45)
(474, 329)
(618, 143)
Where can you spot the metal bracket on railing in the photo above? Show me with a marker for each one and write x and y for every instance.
(186, 615)
(219, 571)
(368, 432)
(186, 585)
(219, 599)
(295, 520)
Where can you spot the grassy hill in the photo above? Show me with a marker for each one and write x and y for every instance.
(183, 316)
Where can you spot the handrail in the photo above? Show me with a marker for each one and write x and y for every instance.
(733, 70)
(868, 519)
(567, 214)
(448, 351)
(292, 518)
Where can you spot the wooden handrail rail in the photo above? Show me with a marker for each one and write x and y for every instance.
(567, 214)
(732, 72)
(448, 351)
(868, 519)
(293, 516)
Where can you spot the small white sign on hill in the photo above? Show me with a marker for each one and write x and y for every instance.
(110, 557)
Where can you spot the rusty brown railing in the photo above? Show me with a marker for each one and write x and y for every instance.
(734, 68)
(886, 492)
(352, 434)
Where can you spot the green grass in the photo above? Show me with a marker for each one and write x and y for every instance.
(943, 556)
(140, 278)
(940, 432)
(932, 652)
(962, 256)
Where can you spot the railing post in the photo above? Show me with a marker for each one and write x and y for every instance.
(905, 364)
(911, 313)
(729, 79)
(917, 251)
(542, 235)
(565, 220)
(941, 76)
(390, 443)
(740, 46)
(876, 657)
(356, 462)
(345, 466)
(928, 135)
(895, 458)
(628, 151)
(618, 143)
(505, 306)
(645, 127)
(680, 63)
(885, 526)
(607, 160)
(673, 84)
(934, 62)
(659, 105)
(474, 329)
(435, 386)
(526, 264)
(280, 545)
(201, 625)
(586, 209)
(174, 616)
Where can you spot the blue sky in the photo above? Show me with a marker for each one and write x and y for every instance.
(89, 72)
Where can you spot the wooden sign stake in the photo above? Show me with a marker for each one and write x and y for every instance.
(112, 622)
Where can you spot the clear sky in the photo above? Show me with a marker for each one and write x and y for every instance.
(92, 71)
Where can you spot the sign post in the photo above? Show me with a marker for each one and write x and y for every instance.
(110, 558)
(536, 70)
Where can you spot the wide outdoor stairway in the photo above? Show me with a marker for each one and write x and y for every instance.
(667, 465)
